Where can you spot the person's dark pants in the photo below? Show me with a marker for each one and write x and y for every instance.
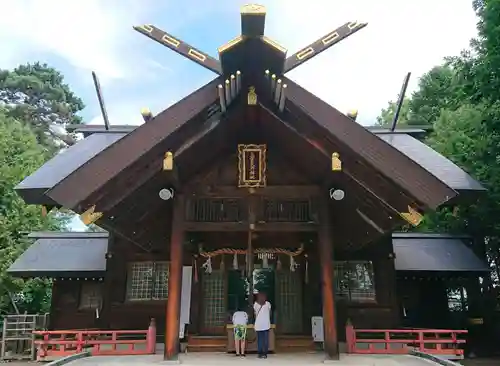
(263, 342)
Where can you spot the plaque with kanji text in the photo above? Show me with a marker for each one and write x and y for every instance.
(252, 166)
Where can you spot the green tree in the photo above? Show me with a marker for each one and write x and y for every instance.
(387, 114)
(437, 90)
(37, 95)
(20, 155)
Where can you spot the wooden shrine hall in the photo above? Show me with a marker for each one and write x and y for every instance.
(251, 183)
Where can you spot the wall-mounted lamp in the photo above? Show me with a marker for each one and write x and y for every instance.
(166, 194)
(337, 194)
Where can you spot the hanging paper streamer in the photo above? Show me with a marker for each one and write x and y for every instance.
(195, 265)
(235, 261)
(222, 264)
(265, 262)
(207, 265)
(278, 264)
(292, 264)
(306, 275)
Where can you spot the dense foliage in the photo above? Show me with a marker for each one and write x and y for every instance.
(461, 101)
(33, 98)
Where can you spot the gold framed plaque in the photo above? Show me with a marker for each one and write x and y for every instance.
(252, 166)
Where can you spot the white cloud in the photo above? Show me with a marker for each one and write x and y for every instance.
(90, 34)
(366, 70)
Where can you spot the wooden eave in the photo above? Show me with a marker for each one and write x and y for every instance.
(166, 131)
(336, 128)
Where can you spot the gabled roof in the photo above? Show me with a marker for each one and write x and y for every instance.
(435, 253)
(69, 254)
(59, 254)
(33, 188)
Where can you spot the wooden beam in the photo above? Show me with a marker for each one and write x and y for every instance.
(145, 139)
(345, 170)
(325, 242)
(180, 47)
(392, 164)
(148, 169)
(271, 191)
(243, 226)
(322, 44)
(173, 310)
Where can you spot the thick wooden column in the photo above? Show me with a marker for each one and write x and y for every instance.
(174, 282)
(325, 242)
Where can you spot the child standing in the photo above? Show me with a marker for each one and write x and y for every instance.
(240, 321)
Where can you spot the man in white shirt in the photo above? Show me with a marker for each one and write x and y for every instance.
(262, 309)
(240, 321)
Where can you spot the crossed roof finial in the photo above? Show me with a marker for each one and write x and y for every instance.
(251, 41)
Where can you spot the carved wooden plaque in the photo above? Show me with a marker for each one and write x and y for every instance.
(252, 166)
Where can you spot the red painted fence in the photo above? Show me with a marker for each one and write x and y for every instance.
(439, 342)
(61, 343)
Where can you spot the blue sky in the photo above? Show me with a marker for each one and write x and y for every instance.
(363, 72)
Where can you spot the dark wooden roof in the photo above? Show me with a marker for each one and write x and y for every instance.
(435, 253)
(434, 162)
(71, 254)
(68, 254)
(33, 187)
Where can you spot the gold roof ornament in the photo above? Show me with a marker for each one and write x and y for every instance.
(168, 161)
(90, 216)
(352, 114)
(253, 9)
(336, 162)
(413, 217)
(146, 114)
(252, 96)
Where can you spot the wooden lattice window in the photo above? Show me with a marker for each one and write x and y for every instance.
(147, 281)
(215, 313)
(90, 295)
(354, 281)
(287, 211)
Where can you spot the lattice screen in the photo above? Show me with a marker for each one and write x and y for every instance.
(354, 281)
(214, 312)
(289, 301)
(90, 295)
(147, 281)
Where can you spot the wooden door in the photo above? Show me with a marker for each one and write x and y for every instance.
(289, 313)
(213, 303)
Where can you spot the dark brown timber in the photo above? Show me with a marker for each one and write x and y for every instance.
(399, 168)
(325, 242)
(103, 167)
(180, 47)
(322, 44)
(174, 282)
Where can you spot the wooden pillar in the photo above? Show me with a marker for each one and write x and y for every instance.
(172, 317)
(325, 242)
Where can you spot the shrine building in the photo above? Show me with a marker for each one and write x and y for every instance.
(252, 183)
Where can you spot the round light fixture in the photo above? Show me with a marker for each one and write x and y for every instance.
(166, 194)
(337, 194)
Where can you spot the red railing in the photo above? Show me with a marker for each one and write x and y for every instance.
(62, 343)
(439, 342)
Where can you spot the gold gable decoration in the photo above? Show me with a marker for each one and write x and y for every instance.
(413, 217)
(252, 166)
(90, 216)
(252, 96)
(336, 162)
(168, 161)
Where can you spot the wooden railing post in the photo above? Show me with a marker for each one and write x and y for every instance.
(151, 337)
(350, 337)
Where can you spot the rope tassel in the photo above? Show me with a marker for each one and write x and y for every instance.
(306, 274)
(235, 261)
